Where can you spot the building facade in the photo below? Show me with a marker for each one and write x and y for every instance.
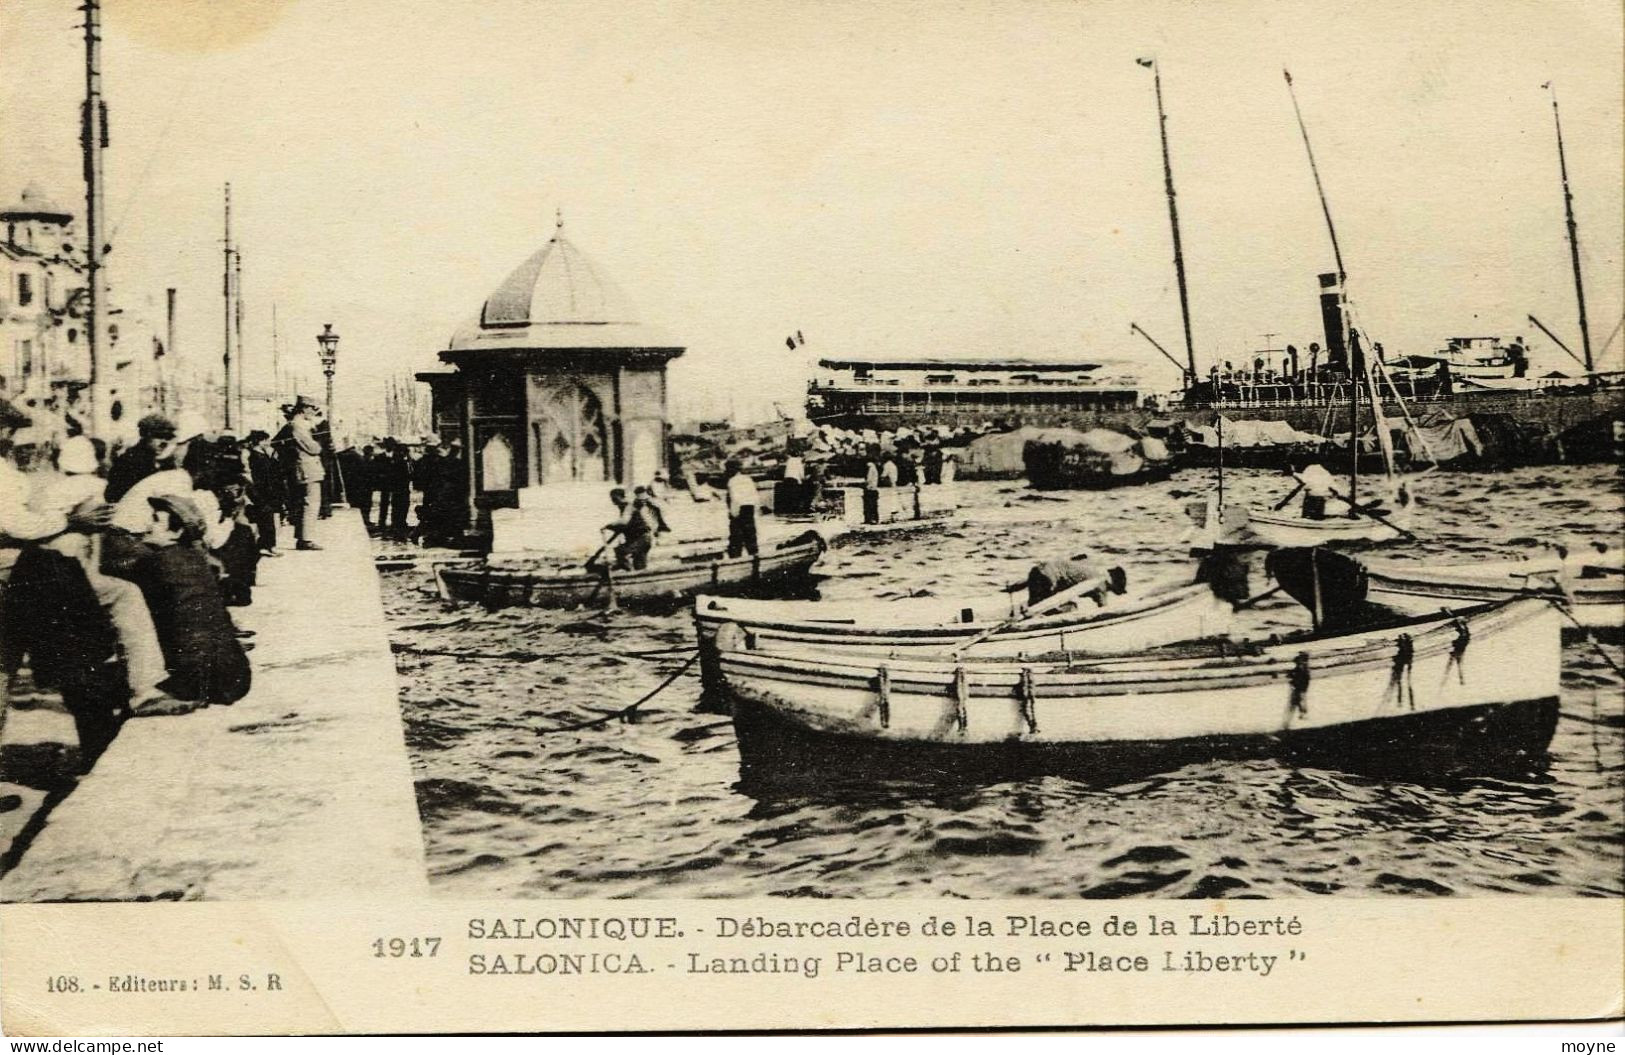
(44, 344)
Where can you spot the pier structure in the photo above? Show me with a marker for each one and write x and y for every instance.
(557, 392)
(300, 790)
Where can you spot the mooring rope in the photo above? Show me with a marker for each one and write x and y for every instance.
(625, 712)
(534, 657)
(1589, 637)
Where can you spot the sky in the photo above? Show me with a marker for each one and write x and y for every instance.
(896, 178)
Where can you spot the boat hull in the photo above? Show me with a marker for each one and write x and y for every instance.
(1594, 604)
(659, 585)
(1178, 614)
(1501, 738)
(1269, 529)
(1296, 693)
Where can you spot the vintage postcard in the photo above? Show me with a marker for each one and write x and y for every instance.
(536, 515)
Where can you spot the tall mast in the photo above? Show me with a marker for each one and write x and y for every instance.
(276, 360)
(1337, 254)
(1356, 363)
(1173, 220)
(93, 138)
(1574, 237)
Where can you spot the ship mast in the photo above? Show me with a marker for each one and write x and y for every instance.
(1356, 363)
(1173, 220)
(1574, 237)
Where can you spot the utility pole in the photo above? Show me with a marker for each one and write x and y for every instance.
(169, 349)
(276, 361)
(1574, 239)
(237, 320)
(93, 138)
(1173, 220)
(226, 293)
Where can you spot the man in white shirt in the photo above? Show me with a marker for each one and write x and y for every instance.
(871, 488)
(741, 511)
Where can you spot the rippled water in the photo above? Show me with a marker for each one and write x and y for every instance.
(654, 807)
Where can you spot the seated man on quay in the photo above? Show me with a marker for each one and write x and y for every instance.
(205, 660)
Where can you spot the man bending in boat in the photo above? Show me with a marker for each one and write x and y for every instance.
(1063, 573)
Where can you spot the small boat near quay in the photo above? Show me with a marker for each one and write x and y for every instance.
(1590, 589)
(900, 510)
(545, 583)
(1085, 617)
(1463, 690)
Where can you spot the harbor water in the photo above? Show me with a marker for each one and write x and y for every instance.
(654, 806)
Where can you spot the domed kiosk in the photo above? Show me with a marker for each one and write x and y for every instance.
(559, 392)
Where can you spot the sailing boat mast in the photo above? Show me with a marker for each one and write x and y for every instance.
(1173, 220)
(1574, 237)
(1356, 363)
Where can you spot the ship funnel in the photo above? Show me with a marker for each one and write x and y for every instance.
(1334, 317)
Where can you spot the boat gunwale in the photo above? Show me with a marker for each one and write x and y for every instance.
(1145, 606)
(538, 579)
(998, 677)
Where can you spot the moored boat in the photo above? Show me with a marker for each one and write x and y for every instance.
(1591, 591)
(551, 584)
(1081, 619)
(1474, 686)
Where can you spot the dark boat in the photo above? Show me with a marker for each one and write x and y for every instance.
(551, 584)
(1097, 460)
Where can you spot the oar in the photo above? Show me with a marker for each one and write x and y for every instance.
(609, 572)
(1374, 515)
(1048, 603)
(1277, 507)
(1256, 598)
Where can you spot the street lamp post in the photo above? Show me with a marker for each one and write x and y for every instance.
(328, 343)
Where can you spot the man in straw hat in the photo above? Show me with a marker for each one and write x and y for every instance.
(309, 472)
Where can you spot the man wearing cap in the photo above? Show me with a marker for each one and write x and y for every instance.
(206, 663)
(157, 443)
(265, 490)
(308, 470)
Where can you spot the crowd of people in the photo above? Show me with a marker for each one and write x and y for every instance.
(382, 475)
(119, 568)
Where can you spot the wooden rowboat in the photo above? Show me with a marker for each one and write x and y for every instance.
(1591, 591)
(988, 626)
(1281, 530)
(550, 584)
(1481, 685)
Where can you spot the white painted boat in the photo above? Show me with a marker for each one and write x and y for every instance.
(1592, 590)
(1282, 530)
(1483, 682)
(995, 625)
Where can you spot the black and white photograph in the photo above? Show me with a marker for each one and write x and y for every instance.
(526, 449)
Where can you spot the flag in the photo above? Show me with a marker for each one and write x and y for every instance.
(800, 339)
(1147, 63)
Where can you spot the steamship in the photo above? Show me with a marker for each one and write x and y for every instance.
(1307, 388)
